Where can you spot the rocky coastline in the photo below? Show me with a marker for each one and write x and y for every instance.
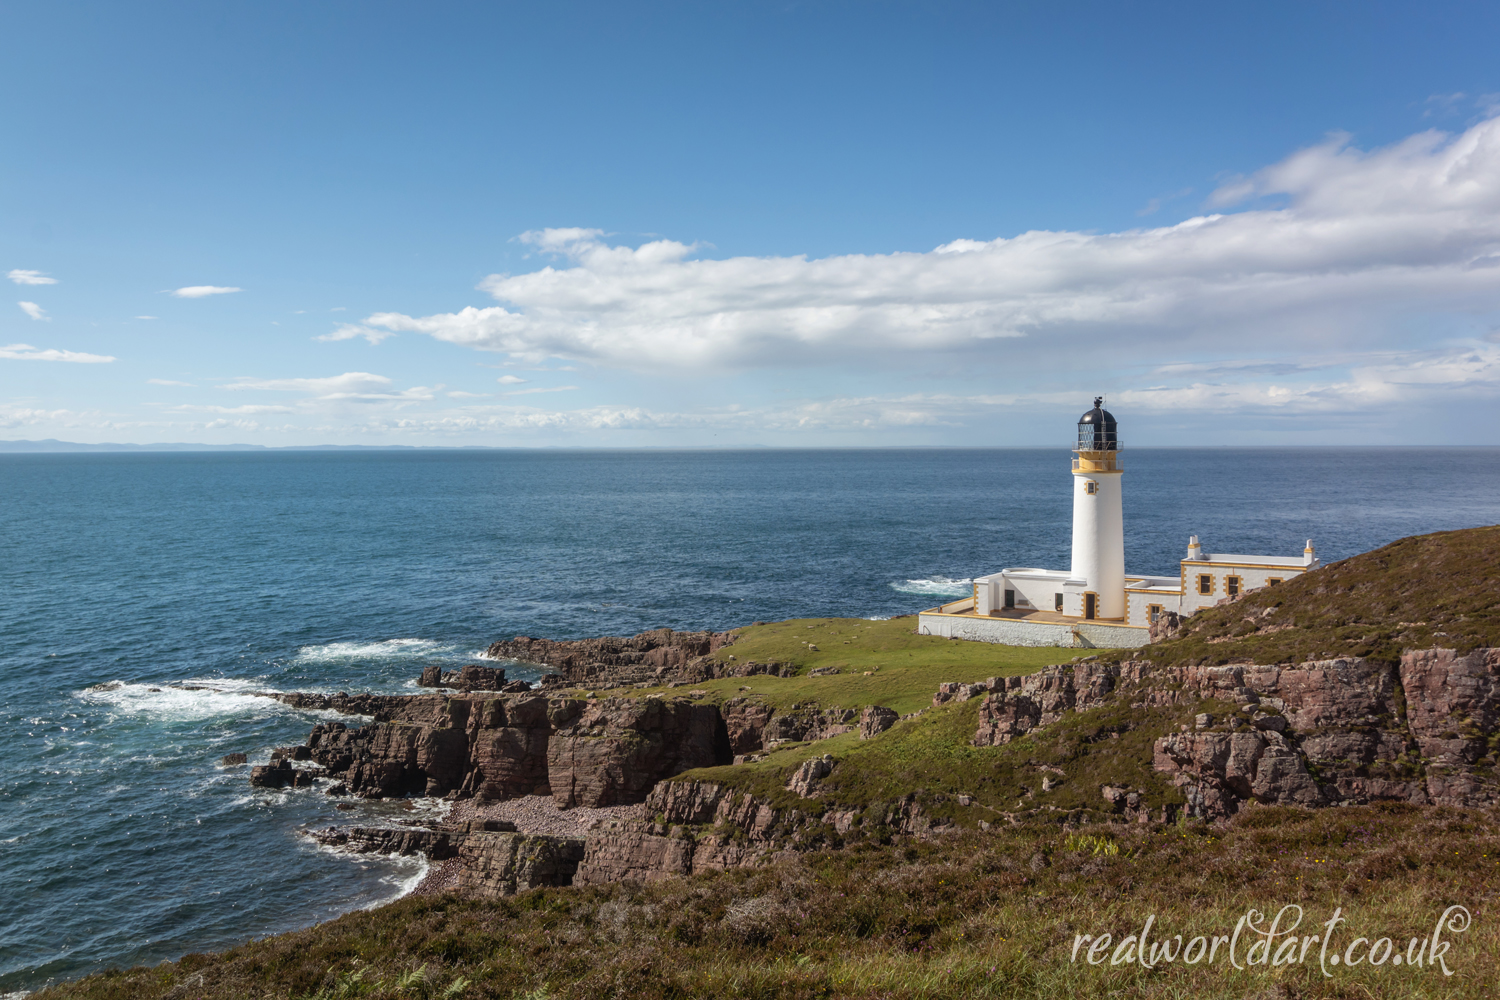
(557, 786)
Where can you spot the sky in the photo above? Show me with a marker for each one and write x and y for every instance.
(749, 225)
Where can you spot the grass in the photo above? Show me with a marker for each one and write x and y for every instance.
(904, 668)
(972, 915)
(1423, 592)
(932, 757)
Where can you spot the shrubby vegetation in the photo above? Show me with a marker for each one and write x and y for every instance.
(974, 915)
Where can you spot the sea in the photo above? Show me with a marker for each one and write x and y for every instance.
(146, 599)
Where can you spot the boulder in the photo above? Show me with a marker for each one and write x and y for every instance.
(281, 774)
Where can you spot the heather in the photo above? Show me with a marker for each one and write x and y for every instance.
(968, 915)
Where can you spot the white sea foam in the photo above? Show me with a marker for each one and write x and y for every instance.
(937, 586)
(388, 649)
(411, 869)
(177, 704)
(403, 881)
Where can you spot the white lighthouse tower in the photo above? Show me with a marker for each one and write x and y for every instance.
(1098, 519)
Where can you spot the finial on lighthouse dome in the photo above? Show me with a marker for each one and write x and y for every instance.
(1097, 429)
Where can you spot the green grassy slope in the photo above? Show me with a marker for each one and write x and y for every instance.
(932, 757)
(904, 669)
(1438, 590)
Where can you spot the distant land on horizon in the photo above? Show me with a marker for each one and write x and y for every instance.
(54, 446)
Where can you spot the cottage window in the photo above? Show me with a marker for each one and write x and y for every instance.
(1232, 586)
(1205, 583)
(1154, 610)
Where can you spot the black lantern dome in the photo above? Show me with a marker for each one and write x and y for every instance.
(1096, 429)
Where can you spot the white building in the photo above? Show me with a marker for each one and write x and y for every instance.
(1095, 602)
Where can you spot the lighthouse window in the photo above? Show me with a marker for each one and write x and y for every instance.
(1205, 583)
(1091, 487)
(1232, 586)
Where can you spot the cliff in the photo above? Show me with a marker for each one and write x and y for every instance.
(752, 764)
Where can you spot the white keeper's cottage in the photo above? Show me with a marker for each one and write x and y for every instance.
(1097, 603)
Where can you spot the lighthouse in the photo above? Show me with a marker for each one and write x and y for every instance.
(1098, 518)
(1094, 603)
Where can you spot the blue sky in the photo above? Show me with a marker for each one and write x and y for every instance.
(754, 224)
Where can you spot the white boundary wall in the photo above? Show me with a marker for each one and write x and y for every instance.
(1016, 632)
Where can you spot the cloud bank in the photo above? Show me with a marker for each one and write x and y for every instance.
(1341, 241)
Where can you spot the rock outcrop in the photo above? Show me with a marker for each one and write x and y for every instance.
(613, 751)
(435, 844)
(804, 781)
(281, 774)
(474, 677)
(615, 661)
(660, 656)
(483, 858)
(1327, 732)
(494, 864)
(875, 720)
(585, 752)
(704, 826)
(745, 721)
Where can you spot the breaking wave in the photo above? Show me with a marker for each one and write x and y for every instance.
(937, 586)
(188, 703)
(389, 649)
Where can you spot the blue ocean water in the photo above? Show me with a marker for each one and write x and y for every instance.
(121, 839)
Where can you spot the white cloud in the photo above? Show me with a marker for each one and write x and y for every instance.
(148, 317)
(359, 387)
(1336, 389)
(25, 352)
(21, 277)
(167, 381)
(348, 331)
(565, 241)
(334, 384)
(1362, 241)
(460, 394)
(34, 311)
(203, 291)
(242, 410)
(511, 380)
(528, 392)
